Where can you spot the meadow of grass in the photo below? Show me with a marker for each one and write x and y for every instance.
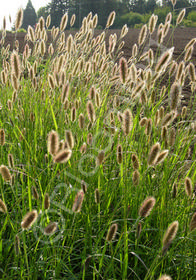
(97, 156)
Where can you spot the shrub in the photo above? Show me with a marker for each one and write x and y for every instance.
(192, 16)
(132, 18)
(21, 30)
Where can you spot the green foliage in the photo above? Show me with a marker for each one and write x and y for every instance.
(29, 16)
(131, 19)
(100, 7)
(43, 12)
(189, 23)
(161, 13)
(57, 8)
(21, 30)
(138, 6)
(138, 25)
(192, 16)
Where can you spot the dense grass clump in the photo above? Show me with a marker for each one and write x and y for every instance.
(97, 156)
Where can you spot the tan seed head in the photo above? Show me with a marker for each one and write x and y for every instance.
(29, 219)
(112, 232)
(146, 207)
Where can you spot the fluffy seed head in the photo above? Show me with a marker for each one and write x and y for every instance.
(146, 207)
(63, 156)
(172, 137)
(15, 64)
(193, 222)
(97, 99)
(188, 54)
(84, 186)
(72, 20)
(152, 23)
(31, 36)
(180, 70)
(127, 121)
(162, 155)
(41, 23)
(35, 193)
(100, 158)
(97, 196)
(135, 161)
(124, 31)
(164, 60)
(173, 3)
(135, 177)
(3, 207)
(42, 48)
(142, 35)
(29, 219)
(2, 137)
(173, 68)
(170, 234)
(161, 112)
(123, 70)
(188, 186)
(53, 143)
(134, 50)
(174, 190)
(168, 17)
(81, 121)
(92, 93)
(95, 20)
(89, 139)
(19, 19)
(154, 152)
(17, 245)
(192, 74)
(166, 28)
(69, 43)
(112, 232)
(184, 112)
(169, 117)
(51, 81)
(46, 201)
(48, 21)
(50, 229)
(65, 92)
(50, 49)
(156, 119)
(77, 205)
(180, 16)
(148, 127)
(164, 133)
(10, 161)
(143, 122)
(5, 173)
(90, 111)
(14, 81)
(133, 72)
(111, 19)
(190, 44)
(174, 96)
(138, 230)
(63, 23)
(119, 154)
(69, 138)
(4, 77)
